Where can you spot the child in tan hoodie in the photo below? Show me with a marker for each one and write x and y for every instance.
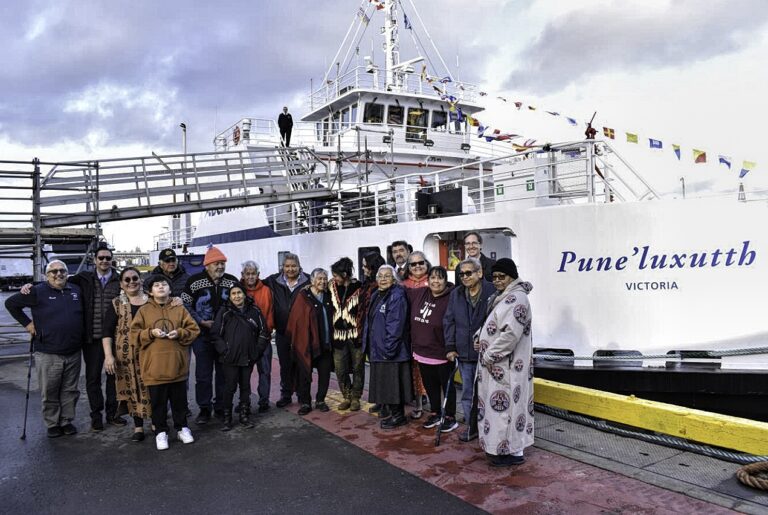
(163, 332)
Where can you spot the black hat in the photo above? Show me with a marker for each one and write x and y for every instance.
(156, 279)
(505, 266)
(167, 254)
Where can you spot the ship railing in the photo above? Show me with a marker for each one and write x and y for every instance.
(371, 78)
(569, 173)
(174, 238)
(249, 130)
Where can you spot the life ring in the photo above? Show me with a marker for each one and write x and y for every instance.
(236, 135)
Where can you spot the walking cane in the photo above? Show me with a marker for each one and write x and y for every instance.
(26, 402)
(445, 400)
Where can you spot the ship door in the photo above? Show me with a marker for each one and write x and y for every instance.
(447, 248)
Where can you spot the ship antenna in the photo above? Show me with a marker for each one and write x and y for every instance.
(355, 20)
(426, 32)
(391, 42)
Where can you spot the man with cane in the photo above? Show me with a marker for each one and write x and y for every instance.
(56, 328)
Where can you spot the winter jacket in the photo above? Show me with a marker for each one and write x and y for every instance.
(177, 281)
(58, 317)
(262, 297)
(282, 297)
(163, 360)
(240, 336)
(203, 298)
(462, 320)
(385, 334)
(96, 300)
(426, 321)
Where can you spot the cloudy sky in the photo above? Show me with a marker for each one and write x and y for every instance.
(88, 79)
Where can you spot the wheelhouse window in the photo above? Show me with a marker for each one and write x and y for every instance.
(335, 122)
(345, 118)
(353, 113)
(373, 113)
(439, 120)
(395, 115)
(416, 126)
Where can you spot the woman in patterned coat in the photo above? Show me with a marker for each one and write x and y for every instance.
(505, 370)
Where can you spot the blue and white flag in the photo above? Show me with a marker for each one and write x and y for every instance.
(654, 143)
(724, 160)
(571, 121)
(445, 80)
(406, 22)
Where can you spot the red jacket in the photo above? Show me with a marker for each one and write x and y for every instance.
(262, 297)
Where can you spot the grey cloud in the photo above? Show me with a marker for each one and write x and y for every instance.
(590, 41)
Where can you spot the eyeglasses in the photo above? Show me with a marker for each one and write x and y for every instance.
(499, 277)
(104, 258)
(388, 276)
(466, 273)
(131, 279)
(417, 263)
(58, 271)
(472, 244)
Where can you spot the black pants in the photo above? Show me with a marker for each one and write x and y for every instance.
(286, 135)
(323, 364)
(283, 344)
(235, 376)
(435, 377)
(93, 355)
(159, 396)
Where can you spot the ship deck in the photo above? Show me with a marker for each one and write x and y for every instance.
(327, 462)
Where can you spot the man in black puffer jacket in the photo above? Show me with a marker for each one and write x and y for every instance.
(174, 271)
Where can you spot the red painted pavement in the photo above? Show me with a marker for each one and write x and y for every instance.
(546, 483)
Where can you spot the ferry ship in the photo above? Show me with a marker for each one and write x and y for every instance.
(633, 293)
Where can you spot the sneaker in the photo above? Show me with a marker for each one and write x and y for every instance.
(69, 429)
(305, 409)
(322, 406)
(185, 435)
(283, 402)
(449, 424)
(345, 404)
(203, 417)
(161, 441)
(505, 460)
(138, 436)
(54, 432)
(116, 421)
(97, 424)
(431, 422)
(393, 422)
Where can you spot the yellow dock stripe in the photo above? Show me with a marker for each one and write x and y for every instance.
(700, 426)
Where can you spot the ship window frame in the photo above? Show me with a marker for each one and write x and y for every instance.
(345, 120)
(335, 123)
(353, 113)
(392, 118)
(414, 132)
(326, 126)
(370, 117)
(438, 126)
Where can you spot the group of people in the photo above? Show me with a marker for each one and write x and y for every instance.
(406, 318)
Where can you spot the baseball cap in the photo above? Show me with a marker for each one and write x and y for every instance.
(167, 254)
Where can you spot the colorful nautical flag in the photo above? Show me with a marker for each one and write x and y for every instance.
(676, 148)
(572, 121)
(406, 22)
(379, 4)
(481, 131)
(699, 156)
(654, 143)
(746, 167)
(363, 17)
(472, 121)
(445, 80)
(609, 133)
(531, 108)
(423, 72)
(724, 160)
(631, 138)
(483, 93)
(553, 113)
(437, 89)
(517, 104)
(502, 99)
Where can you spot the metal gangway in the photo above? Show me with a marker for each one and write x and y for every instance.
(47, 200)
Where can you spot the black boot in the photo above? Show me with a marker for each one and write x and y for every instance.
(227, 419)
(245, 415)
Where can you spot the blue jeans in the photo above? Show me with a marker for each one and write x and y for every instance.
(206, 363)
(467, 371)
(264, 367)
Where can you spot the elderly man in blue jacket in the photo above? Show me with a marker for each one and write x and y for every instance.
(57, 330)
(466, 312)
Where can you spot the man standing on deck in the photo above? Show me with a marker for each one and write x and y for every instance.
(174, 271)
(203, 294)
(99, 288)
(285, 285)
(473, 244)
(400, 252)
(285, 124)
(467, 306)
(57, 338)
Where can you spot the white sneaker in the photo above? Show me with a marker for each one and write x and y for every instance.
(161, 441)
(185, 435)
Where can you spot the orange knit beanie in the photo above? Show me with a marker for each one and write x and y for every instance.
(212, 255)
